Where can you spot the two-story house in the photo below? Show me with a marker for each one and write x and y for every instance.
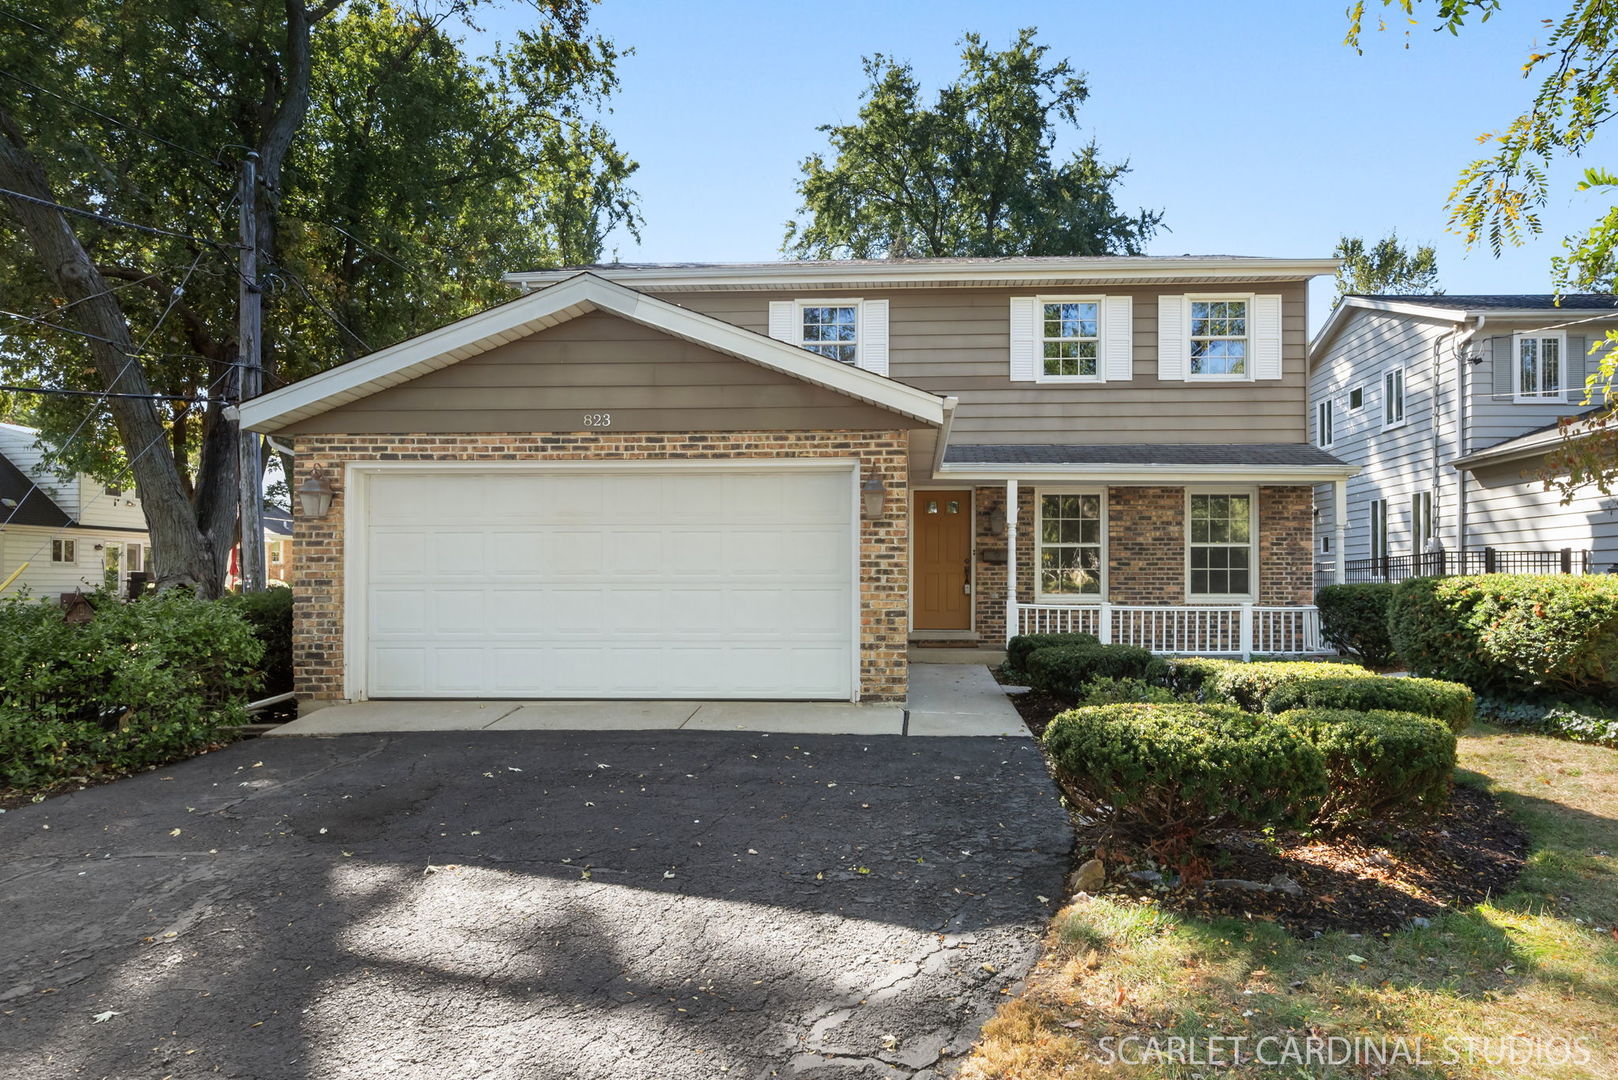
(63, 535)
(1449, 404)
(771, 480)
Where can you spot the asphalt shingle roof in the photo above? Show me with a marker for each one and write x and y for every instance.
(21, 503)
(1506, 301)
(1169, 454)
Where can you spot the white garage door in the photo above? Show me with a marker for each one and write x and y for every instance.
(695, 582)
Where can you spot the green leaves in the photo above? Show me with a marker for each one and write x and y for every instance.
(1385, 267)
(973, 174)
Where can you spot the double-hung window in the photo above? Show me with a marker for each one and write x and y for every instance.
(1393, 397)
(1221, 558)
(1325, 421)
(1070, 340)
(1539, 367)
(1071, 556)
(831, 329)
(1219, 340)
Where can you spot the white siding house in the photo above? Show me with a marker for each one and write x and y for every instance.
(1424, 393)
(65, 534)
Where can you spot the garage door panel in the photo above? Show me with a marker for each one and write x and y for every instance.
(649, 583)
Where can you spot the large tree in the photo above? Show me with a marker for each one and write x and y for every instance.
(398, 176)
(1385, 267)
(975, 173)
(1497, 198)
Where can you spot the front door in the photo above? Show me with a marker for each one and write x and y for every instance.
(942, 590)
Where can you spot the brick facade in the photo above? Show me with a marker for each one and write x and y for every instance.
(318, 646)
(1146, 553)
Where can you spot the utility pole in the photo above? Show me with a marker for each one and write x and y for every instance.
(249, 382)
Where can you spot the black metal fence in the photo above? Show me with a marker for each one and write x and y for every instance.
(1449, 563)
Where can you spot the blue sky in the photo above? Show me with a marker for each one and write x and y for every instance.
(720, 102)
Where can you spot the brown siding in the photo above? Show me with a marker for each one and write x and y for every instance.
(599, 363)
(957, 341)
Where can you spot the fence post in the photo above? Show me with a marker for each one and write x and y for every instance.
(1441, 558)
(1247, 631)
(1488, 560)
(1104, 623)
(1567, 560)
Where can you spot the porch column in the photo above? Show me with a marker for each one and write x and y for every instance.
(1339, 524)
(1011, 559)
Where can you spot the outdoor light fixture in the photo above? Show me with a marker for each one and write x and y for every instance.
(315, 494)
(873, 494)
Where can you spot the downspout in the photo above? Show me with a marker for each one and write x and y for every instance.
(943, 435)
(1463, 413)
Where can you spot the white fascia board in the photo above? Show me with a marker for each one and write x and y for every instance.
(989, 271)
(578, 295)
(1148, 474)
(1523, 446)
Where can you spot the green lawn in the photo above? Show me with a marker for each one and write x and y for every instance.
(1501, 990)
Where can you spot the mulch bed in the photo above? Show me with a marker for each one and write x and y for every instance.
(1377, 879)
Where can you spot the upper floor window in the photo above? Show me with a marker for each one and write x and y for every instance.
(1221, 546)
(1218, 339)
(64, 551)
(1539, 366)
(831, 330)
(1393, 397)
(1324, 423)
(114, 490)
(1070, 544)
(1356, 399)
(1071, 339)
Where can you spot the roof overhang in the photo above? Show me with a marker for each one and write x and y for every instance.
(1523, 446)
(578, 295)
(1125, 474)
(961, 273)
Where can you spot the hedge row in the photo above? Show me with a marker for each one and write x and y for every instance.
(139, 684)
(1354, 620)
(1019, 648)
(1171, 774)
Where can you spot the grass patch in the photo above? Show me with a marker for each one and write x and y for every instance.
(1493, 991)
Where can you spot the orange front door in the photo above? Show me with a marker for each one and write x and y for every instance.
(942, 529)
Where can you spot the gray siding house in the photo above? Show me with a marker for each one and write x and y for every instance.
(1448, 404)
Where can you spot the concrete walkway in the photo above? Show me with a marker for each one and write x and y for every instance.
(945, 700)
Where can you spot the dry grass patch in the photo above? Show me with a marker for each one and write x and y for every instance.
(1493, 991)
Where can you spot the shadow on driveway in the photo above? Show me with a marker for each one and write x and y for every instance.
(529, 904)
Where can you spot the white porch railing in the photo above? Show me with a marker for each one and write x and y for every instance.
(1200, 630)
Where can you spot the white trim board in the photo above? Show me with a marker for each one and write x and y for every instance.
(578, 295)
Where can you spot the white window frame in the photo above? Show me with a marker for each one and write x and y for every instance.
(275, 553)
(1422, 526)
(1325, 423)
(1348, 398)
(859, 328)
(1040, 595)
(1539, 397)
(1247, 360)
(65, 547)
(134, 561)
(1040, 339)
(1325, 543)
(1395, 373)
(1251, 492)
(1377, 539)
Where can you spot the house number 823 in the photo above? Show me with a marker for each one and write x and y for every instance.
(598, 419)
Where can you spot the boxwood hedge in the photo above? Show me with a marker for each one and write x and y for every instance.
(1354, 619)
(1378, 763)
(1248, 685)
(1020, 647)
(1064, 670)
(1449, 703)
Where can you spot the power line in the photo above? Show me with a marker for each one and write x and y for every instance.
(108, 219)
(101, 394)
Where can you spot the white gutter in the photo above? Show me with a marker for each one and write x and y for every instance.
(1145, 474)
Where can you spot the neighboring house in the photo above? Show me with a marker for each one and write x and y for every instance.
(73, 534)
(1448, 404)
(770, 480)
(277, 549)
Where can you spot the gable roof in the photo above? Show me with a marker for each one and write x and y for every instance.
(1539, 440)
(533, 312)
(1459, 308)
(1023, 270)
(21, 503)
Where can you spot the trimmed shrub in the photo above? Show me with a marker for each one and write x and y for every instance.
(1114, 691)
(1064, 670)
(1510, 633)
(1249, 685)
(1354, 619)
(1172, 773)
(1020, 647)
(1449, 703)
(1379, 763)
(269, 614)
(140, 684)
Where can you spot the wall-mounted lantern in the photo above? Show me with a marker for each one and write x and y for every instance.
(873, 497)
(315, 494)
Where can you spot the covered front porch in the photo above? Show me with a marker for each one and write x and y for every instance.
(1177, 549)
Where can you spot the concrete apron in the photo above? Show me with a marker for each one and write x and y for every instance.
(945, 700)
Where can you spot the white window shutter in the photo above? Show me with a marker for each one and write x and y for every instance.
(1024, 338)
(1117, 339)
(784, 325)
(1173, 339)
(1266, 331)
(872, 353)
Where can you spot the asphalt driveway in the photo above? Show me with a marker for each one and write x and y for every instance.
(528, 904)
